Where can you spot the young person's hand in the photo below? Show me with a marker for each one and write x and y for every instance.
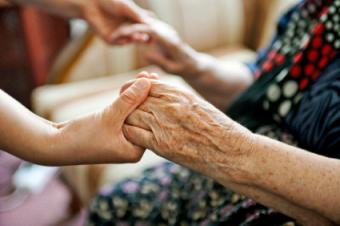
(105, 16)
(98, 137)
(93, 138)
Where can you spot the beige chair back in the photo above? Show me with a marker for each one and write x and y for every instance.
(205, 24)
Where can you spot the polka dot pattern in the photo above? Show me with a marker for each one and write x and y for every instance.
(310, 42)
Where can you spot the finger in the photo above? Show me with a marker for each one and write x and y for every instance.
(130, 99)
(131, 30)
(140, 38)
(154, 76)
(97, 22)
(138, 136)
(143, 74)
(122, 41)
(140, 119)
(101, 29)
(156, 58)
(152, 105)
(126, 86)
(129, 152)
(162, 92)
(151, 14)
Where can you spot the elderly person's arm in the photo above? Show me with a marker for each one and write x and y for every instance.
(104, 16)
(191, 132)
(219, 83)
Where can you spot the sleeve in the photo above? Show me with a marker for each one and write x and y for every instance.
(316, 121)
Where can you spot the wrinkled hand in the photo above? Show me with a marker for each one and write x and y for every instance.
(105, 16)
(167, 51)
(98, 137)
(187, 130)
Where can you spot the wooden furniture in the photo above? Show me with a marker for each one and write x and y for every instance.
(4, 3)
(15, 72)
(29, 42)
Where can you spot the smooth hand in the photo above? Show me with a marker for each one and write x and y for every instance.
(105, 16)
(188, 130)
(98, 137)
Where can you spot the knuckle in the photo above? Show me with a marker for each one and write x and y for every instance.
(129, 97)
(136, 157)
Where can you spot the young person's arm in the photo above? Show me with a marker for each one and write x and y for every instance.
(93, 138)
(104, 16)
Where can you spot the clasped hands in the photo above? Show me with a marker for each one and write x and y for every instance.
(182, 127)
(175, 124)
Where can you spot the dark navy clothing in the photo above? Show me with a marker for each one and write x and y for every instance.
(316, 121)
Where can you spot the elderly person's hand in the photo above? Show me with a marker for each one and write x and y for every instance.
(219, 83)
(167, 49)
(186, 129)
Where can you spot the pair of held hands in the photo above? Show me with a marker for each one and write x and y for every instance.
(175, 124)
(122, 22)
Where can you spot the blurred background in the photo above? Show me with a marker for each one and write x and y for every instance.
(59, 70)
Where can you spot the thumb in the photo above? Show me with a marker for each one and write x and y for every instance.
(130, 99)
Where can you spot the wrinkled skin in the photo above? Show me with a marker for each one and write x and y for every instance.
(188, 130)
(167, 49)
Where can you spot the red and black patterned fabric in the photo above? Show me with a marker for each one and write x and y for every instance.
(286, 73)
(296, 60)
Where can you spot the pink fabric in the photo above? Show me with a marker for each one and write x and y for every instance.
(44, 209)
(8, 165)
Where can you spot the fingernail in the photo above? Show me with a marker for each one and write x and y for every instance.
(142, 84)
(155, 75)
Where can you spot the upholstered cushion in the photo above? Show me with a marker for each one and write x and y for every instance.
(206, 24)
(65, 101)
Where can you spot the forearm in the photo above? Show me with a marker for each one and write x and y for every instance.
(301, 215)
(65, 8)
(37, 140)
(236, 162)
(22, 133)
(302, 178)
(219, 82)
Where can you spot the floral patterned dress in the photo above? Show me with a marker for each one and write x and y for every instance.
(173, 195)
